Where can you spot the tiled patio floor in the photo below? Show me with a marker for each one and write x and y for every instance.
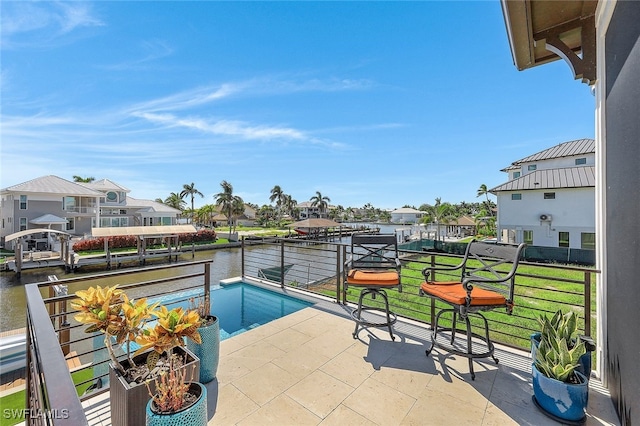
(306, 369)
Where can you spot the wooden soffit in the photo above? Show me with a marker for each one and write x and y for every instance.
(542, 31)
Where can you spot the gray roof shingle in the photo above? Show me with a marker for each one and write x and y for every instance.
(565, 149)
(52, 185)
(569, 177)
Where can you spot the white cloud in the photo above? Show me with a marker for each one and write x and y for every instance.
(40, 24)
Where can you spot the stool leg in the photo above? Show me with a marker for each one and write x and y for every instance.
(469, 347)
(490, 346)
(386, 304)
(453, 327)
(359, 316)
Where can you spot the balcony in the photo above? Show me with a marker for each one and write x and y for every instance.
(306, 368)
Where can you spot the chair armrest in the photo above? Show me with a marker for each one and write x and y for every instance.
(427, 270)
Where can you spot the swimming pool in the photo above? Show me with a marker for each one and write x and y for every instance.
(241, 307)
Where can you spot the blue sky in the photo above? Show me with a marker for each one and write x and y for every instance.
(387, 103)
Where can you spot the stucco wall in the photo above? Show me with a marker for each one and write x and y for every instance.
(622, 142)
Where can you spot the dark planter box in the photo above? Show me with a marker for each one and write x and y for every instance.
(129, 402)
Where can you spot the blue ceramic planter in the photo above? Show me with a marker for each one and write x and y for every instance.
(585, 360)
(208, 351)
(564, 401)
(194, 415)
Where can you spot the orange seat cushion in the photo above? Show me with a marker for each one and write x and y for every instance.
(457, 295)
(373, 278)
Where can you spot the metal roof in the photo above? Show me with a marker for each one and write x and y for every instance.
(105, 185)
(144, 231)
(19, 234)
(565, 149)
(149, 205)
(569, 177)
(52, 185)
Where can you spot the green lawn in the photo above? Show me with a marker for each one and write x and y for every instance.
(539, 289)
(15, 402)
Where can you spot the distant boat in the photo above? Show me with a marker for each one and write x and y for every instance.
(301, 231)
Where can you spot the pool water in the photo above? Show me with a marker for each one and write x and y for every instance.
(241, 307)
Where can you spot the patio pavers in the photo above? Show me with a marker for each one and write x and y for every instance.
(306, 369)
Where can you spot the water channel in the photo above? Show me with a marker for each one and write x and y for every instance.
(226, 264)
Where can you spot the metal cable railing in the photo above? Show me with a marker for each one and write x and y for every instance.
(540, 288)
(81, 360)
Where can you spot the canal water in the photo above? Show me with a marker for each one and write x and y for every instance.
(226, 264)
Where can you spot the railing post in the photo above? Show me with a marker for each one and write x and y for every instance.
(207, 285)
(587, 303)
(338, 274)
(282, 263)
(242, 257)
(344, 290)
(433, 300)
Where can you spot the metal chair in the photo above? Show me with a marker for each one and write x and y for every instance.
(373, 265)
(487, 280)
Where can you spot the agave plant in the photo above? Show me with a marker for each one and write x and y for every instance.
(560, 350)
(110, 311)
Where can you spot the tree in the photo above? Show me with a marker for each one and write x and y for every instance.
(484, 191)
(175, 200)
(192, 192)
(320, 201)
(277, 196)
(83, 180)
(441, 213)
(228, 202)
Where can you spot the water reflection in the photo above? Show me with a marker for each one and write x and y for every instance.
(226, 264)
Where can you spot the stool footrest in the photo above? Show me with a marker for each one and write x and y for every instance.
(367, 323)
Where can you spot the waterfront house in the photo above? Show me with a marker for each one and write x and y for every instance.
(309, 211)
(78, 207)
(549, 199)
(406, 215)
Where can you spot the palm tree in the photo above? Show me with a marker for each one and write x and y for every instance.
(83, 180)
(441, 213)
(191, 191)
(320, 201)
(277, 196)
(174, 200)
(484, 191)
(237, 208)
(228, 202)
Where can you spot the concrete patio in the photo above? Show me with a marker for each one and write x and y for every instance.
(306, 369)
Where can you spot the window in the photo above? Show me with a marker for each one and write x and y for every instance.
(516, 196)
(527, 237)
(588, 240)
(563, 239)
(69, 203)
(23, 223)
(580, 161)
(71, 224)
(532, 167)
(549, 195)
(112, 197)
(516, 175)
(23, 202)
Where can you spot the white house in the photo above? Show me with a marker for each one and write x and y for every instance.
(309, 211)
(406, 215)
(549, 199)
(56, 203)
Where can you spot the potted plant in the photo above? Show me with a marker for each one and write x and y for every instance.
(559, 389)
(209, 349)
(123, 321)
(584, 366)
(176, 401)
